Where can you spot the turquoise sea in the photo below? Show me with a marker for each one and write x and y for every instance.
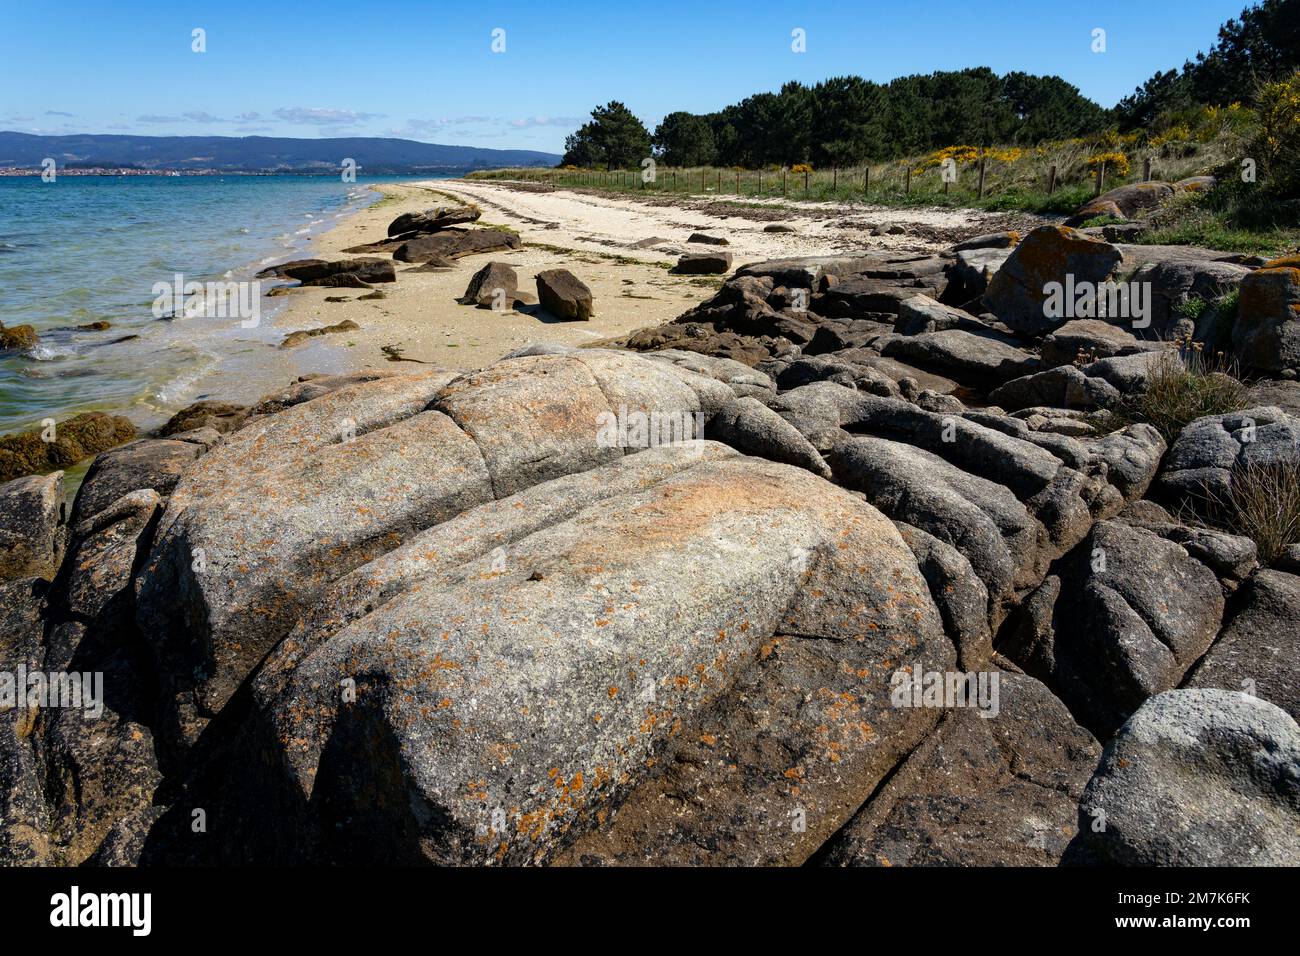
(84, 249)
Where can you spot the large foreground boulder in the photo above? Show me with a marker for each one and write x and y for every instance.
(66, 443)
(1197, 778)
(543, 671)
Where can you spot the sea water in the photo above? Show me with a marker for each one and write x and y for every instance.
(85, 249)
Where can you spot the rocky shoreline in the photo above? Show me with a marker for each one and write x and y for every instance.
(921, 592)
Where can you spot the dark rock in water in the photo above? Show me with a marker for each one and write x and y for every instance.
(73, 440)
(778, 227)
(155, 464)
(432, 220)
(1019, 290)
(708, 240)
(1258, 651)
(223, 416)
(1197, 778)
(302, 335)
(32, 532)
(564, 295)
(982, 790)
(100, 326)
(454, 244)
(17, 337)
(493, 286)
(703, 263)
(314, 270)
(340, 280)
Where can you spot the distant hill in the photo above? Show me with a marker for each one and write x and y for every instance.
(374, 156)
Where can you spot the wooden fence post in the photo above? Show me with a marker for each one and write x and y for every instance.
(907, 182)
(805, 184)
(1101, 177)
(737, 182)
(1146, 170)
(866, 180)
(784, 192)
(835, 180)
(1051, 180)
(982, 172)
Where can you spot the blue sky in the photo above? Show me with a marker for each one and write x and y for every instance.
(426, 70)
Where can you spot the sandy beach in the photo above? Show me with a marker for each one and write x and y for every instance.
(621, 248)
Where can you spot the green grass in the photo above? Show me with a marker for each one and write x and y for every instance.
(887, 186)
(1182, 387)
(1229, 218)
(1263, 503)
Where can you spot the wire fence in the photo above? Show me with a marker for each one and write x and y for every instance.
(979, 183)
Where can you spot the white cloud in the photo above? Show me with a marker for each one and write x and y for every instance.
(322, 117)
(547, 121)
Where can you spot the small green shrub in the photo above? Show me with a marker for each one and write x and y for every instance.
(1183, 386)
(1263, 504)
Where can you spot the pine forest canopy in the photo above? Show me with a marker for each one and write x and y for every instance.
(847, 120)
